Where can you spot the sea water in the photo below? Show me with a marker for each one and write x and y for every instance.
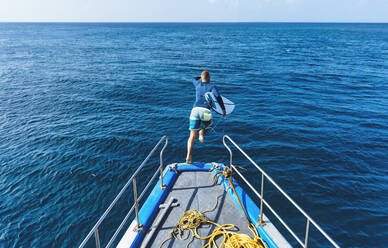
(81, 105)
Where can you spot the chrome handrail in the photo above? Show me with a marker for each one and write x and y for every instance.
(261, 196)
(131, 180)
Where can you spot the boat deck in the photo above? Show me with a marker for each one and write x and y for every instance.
(195, 190)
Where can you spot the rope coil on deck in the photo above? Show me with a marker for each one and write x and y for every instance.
(191, 220)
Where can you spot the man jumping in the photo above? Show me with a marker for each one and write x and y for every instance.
(201, 111)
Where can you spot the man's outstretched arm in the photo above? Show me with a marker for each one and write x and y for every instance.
(196, 81)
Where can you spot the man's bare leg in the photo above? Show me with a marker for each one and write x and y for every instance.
(201, 134)
(190, 145)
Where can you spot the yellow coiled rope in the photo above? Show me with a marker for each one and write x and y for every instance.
(192, 219)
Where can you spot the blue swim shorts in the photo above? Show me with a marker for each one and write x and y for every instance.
(200, 115)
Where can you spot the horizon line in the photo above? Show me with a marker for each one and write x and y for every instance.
(188, 22)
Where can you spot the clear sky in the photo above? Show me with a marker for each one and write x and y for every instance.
(194, 10)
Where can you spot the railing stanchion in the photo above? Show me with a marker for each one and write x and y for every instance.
(262, 199)
(307, 233)
(138, 226)
(230, 151)
(162, 186)
(97, 237)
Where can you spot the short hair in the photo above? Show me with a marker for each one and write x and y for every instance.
(205, 76)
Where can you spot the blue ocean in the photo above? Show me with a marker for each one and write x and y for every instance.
(82, 105)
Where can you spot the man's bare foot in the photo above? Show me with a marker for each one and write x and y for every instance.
(200, 137)
(188, 161)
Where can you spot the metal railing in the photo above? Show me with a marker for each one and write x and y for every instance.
(135, 206)
(262, 201)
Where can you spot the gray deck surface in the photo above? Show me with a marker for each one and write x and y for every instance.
(195, 190)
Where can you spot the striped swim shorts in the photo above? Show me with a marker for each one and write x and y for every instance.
(200, 115)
